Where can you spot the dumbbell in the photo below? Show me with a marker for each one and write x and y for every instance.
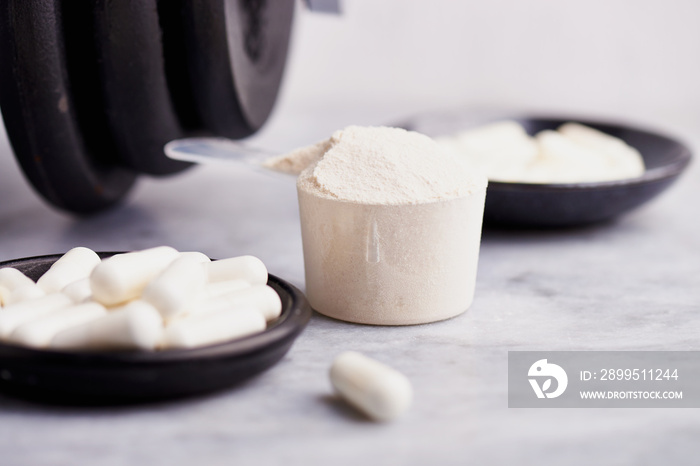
(91, 90)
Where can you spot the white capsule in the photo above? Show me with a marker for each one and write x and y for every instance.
(4, 295)
(248, 268)
(380, 392)
(213, 290)
(39, 332)
(199, 256)
(177, 286)
(74, 265)
(262, 298)
(137, 325)
(24, 293)
(123, 277)
(78, 291)
(212, 328)
(14, 315)
(12, 279)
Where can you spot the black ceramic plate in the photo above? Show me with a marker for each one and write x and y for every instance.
(57, 126)
(128, 377)
(574, 204)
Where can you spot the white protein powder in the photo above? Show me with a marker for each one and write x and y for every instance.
(573, 154)
(296, 161)
(391, 226)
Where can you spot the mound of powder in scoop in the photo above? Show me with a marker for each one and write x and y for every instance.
(379, 165)
(296, 161)
(390, 225)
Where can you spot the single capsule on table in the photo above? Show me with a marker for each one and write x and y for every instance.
(377, 390)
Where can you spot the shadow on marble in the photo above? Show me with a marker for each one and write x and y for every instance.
(491, 230)
(18, 403)
(123, 224)
(343, 410)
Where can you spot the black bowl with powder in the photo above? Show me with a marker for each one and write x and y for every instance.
(530, 205)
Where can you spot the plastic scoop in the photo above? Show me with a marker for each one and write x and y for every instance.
(210, 150)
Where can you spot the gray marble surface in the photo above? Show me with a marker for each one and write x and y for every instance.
(632, 284)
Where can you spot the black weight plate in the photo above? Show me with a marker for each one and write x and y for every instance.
(136, 376)
(58, 140)
(129, 50)
(233, 59)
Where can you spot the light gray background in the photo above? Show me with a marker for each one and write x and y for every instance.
(633, 284)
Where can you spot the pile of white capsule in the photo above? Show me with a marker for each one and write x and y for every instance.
(153, 299)
(160, 298)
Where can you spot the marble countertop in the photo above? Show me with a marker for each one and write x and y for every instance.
(631, 284)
